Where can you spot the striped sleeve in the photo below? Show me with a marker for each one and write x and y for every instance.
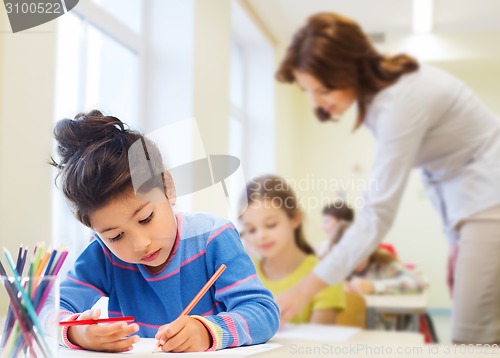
(87, 281)
(252, 315)
(63, 331)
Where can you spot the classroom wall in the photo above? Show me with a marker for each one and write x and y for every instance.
(288, 123)
(26, 112)
(328, 159)
(211, 90)
(187, 76)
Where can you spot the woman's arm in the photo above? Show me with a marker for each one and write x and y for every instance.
(324, 316)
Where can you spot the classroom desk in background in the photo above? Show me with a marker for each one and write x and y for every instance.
(413, 305)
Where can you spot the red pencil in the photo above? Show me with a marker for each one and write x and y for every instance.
(200, 294)
(95, 321)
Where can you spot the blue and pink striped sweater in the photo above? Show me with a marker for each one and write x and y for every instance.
(237, 310)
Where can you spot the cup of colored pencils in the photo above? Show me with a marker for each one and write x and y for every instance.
(31, 289)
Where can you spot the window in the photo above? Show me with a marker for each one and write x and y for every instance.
(237, 112)
(251, 120)
(98, 66)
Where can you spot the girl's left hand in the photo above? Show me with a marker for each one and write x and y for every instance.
(185, 334)
(361, 286)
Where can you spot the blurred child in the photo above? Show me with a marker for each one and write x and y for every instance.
(273, 227)
(148, 260)
(381, 273)
(336, 219)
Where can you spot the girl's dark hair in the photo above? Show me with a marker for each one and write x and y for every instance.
(339, 210)
(94, 163)
(335, 50)
(277, 191)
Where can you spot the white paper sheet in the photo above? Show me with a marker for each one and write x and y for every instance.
(316, 332)
(145, 347)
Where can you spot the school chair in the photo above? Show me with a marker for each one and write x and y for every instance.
(354, 314)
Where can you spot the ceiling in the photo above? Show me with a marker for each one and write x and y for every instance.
(283, 17)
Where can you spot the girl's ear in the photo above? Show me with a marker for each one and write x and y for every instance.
(296, 221)
(169, 186)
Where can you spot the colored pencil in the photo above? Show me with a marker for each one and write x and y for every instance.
(19, 312)
(27, 301)
(200, 294)
(96, 321)
(9, 321)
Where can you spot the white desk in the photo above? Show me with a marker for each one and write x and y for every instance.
(413, 305)
(360, 342)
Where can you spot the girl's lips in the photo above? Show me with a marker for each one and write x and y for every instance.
(151, 257)
(266, 246)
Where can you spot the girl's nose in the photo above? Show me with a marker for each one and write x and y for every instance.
(260, 234)
(141, 243)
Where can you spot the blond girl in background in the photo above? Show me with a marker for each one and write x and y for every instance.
(273, 228)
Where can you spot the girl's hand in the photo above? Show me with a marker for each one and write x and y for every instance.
(185, 334)
(361, 286)
(347, 286)
(104, 338)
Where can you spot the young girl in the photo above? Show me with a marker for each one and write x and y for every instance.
(147, 259)
(273, 226)
(381, 272)
(336, 219)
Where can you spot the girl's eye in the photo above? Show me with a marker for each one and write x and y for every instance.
(270, 226)
(116, 238)
(326, 90)
(251, 231)
(148, 219)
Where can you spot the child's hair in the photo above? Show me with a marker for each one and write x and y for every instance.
(342, 212)
(381, 256)
(339, 210)
(94, 161)
(277, 191)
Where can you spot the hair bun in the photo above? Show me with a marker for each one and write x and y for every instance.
(86, 128)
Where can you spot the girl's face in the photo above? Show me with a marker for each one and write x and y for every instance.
(330, 224)
(137, 231)
(333, 101)
(268, 229)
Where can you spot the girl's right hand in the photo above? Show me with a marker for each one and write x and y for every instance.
(103, 338)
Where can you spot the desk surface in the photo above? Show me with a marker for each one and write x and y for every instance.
(398, 303)
(293, 348)
(371, 344)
